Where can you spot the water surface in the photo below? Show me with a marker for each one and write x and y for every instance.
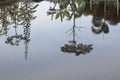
(38, 55)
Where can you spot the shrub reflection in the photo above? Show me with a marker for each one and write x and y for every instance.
(71, 10)
(13, 15)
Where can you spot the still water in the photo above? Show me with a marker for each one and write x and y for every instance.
(36, 46)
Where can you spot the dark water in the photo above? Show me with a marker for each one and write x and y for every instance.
(37, 54)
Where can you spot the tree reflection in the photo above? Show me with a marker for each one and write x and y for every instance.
(104, 13)
(73, 47)
(100, 25)
(71, 9)
(14, 15)
(67, 8)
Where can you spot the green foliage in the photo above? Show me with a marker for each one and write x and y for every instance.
(68, 9)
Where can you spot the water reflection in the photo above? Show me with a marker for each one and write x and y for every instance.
(14, 16)
(104, 12)
(73, 47)
(46, 61)
(75, 11)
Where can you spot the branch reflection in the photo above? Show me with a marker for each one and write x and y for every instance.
(73, 47)
(104, 13)
(71, 10)
(14, 15)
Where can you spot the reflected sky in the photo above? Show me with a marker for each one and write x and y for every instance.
(46, 61)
